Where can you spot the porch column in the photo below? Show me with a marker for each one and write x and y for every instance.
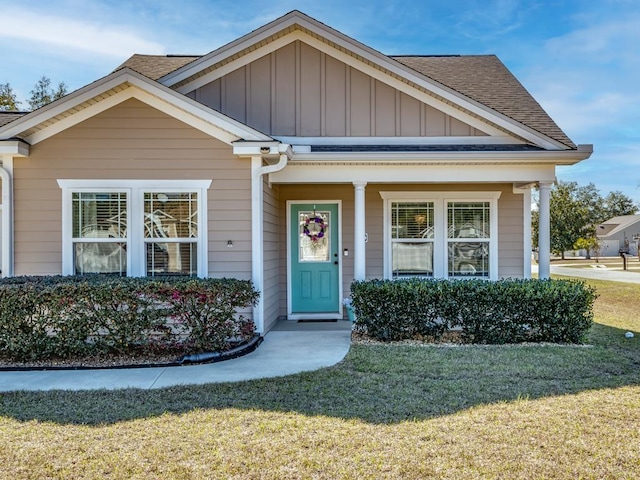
(544, 231)
(359, 234)
(6, 208)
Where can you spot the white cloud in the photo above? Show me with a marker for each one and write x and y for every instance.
(57, 32)
(612, 40)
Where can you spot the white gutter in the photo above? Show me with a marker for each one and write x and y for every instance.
(549, 157)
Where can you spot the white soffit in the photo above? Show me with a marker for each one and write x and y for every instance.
(375, 65)
(496, 173)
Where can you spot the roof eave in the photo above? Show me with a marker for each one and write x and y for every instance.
(235, 129)
(541, 157)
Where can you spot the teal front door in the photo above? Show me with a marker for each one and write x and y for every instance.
(314, 277)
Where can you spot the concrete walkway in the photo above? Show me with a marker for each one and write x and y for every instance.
(289, 348)
(594, 273)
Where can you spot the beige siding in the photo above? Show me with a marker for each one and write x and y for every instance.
(311, 92)
(511, 235)
(510, 226)
(130, 141)
(273, 224)
(335, 106)
(301, 91)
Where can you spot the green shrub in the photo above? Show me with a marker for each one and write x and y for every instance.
(45, 317)
(206, 311)
(506, 311)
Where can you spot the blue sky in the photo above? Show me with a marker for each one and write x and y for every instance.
(580, 59)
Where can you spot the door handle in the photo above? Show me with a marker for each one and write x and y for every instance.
(336, 262)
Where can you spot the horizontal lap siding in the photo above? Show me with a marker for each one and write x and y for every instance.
(510, 225)
(131, 141)
(511, 235)
(272, 273)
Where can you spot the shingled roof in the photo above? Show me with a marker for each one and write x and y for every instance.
(156, 66)
(482, 78)
(8, 117)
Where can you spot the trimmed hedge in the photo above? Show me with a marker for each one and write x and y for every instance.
(505, 311)
(62, 317)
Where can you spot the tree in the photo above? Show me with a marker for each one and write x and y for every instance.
(617, 204)
(42, 93)
(575, 212)
(8, 101)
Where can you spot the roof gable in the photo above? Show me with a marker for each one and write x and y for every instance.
(616, 225)
(115, 89)
(446, 87)
(299, 91)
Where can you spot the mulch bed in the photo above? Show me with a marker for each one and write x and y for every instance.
(98, 361)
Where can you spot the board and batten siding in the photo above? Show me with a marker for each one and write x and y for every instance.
(510, 225)
(131, 141)
(300, 91)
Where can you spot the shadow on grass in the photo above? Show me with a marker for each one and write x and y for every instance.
(376, 384)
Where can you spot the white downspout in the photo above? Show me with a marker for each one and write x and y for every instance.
(257, 229)
(7, 222)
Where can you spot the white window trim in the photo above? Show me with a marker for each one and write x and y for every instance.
(440, 242)
(135, 190)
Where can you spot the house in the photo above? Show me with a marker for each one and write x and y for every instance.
(294, 156)
(619, 233)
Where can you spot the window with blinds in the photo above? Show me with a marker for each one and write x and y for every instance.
(171, 233)
(468, 237)
(412, 239)
(99, 235)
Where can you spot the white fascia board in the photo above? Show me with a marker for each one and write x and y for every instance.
(136, 86)
(414, 174)
(370, 55)
(236, 47)
(238, 63)
(15, 148)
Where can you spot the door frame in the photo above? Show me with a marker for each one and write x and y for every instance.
(314, 316)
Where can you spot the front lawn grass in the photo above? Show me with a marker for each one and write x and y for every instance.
(386, 411)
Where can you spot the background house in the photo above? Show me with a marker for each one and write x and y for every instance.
(617, 233)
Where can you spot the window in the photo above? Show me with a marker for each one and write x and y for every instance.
(171, 233)
(136, 228)
(314, 234)
(440, 234)
(99, 232)
(468, 238)
(412, 237)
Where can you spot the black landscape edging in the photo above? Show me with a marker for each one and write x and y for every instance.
(195, 359)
